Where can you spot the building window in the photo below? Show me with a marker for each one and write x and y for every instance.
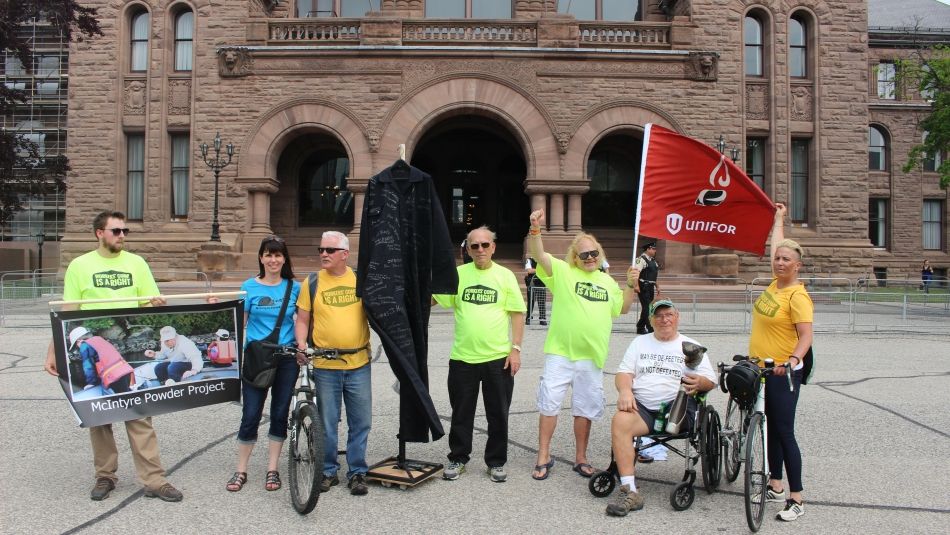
(184, 32)
(140, 42)
(754, 47)
(336, 8)
(614, 172)
(932, 162)
(887, 81)
(930, 83)
(877, 149)
(797, 48)
(135, 166)
(472, 9)
(323, 196)
(799, 194)
(755, 160)
(932, 225)
(616, 10)
(877, 222)
(181, 165)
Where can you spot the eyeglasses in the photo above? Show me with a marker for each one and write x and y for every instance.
(477, 246)
(588, 254)
(329, 250)
(117, 231)
(667, 316)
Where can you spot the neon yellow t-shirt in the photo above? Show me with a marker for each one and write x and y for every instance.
(338, 321)
(482, 305)
(584, 306)
(93, 276)
(774, 316)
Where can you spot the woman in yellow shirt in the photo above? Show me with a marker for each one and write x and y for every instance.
(782, 319)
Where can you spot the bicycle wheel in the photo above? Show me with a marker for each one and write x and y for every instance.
(731, 439)
(755, 476)
(710, 448)
(305, 458)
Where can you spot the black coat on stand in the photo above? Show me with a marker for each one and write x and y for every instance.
(405, 256)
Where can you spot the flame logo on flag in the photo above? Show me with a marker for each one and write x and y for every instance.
(720, 173)
(674, 223)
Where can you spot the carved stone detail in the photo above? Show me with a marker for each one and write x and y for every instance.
(703, 66)
(563, 141)
(802, 103)
(179, 97)
(234, 61)
(757, 101)
(373, 137)
(134, 99)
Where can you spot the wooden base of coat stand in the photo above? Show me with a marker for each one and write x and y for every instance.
(402, 472)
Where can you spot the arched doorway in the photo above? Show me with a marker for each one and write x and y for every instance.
(479, 171)
(312, 170)
(613, 169)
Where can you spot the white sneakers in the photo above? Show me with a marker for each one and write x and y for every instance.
(792, 511)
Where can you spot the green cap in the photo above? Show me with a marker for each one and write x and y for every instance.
(660, 304)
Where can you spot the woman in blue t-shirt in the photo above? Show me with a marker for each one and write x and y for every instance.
(265, 295)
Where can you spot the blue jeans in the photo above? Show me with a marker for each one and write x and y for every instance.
(281, 392)
(355, 388)
(171, 370)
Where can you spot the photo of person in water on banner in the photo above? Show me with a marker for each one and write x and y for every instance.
(126, 363)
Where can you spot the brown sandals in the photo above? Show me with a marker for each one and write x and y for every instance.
(272, 481)
(236, 482)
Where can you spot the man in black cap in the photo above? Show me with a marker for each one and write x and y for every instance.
(647, 287)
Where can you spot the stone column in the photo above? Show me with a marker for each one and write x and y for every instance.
(358, 210)
(556, 217)
(574, 212)
(260, 211)
(259, 190)
(539, 201)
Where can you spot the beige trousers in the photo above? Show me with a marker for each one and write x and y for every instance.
(144, 446)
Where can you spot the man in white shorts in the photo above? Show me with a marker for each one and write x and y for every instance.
(649, 375)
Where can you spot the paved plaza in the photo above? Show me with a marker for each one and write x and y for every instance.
(873, 430)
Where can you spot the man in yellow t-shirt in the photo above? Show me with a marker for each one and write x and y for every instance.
(111, 271)
(487, 306)
(338, 322)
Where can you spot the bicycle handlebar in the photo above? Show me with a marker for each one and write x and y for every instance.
(291, 349)
(769, 369)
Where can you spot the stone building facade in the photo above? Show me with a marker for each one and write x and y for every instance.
(539, 107)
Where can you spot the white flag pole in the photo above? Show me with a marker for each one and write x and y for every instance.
(643, 168)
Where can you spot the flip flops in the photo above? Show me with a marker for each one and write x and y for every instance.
(547, 470)
(584, 469)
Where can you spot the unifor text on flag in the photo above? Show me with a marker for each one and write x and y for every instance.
(691, 193)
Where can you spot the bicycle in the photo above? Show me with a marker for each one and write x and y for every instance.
(305, 430)
(745, 427)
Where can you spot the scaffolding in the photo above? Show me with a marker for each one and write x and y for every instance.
(41, 119)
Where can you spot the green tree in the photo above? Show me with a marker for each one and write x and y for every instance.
(22, 168)
(929, 71)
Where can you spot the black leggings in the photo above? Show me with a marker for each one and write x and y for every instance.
(780, 413)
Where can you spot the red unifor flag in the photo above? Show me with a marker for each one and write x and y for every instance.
(689, 192)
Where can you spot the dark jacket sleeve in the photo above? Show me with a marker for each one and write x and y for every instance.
(445, 277)
(366, 239)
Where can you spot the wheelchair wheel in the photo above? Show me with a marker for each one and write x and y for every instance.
(305, 458)
(756, 477)
(601, 484)
(682, 496)
(731, 439)
(710, 449)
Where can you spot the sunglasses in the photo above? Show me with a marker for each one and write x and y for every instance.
(477, 246)
(588, 254)
(272, 237)
(117, 231)
(329, 250)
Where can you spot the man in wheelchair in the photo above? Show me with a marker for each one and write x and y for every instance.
(650, 374)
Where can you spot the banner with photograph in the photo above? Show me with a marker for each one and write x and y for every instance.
(121, 364)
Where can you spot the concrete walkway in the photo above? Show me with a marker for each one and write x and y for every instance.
(873, 428)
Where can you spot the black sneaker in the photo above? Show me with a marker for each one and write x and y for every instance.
(543, 322)
(102, 489)
(357, 485)
(328, 481)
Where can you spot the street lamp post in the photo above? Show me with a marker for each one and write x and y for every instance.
(216, 165)
(733, 152)
(39, 246)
